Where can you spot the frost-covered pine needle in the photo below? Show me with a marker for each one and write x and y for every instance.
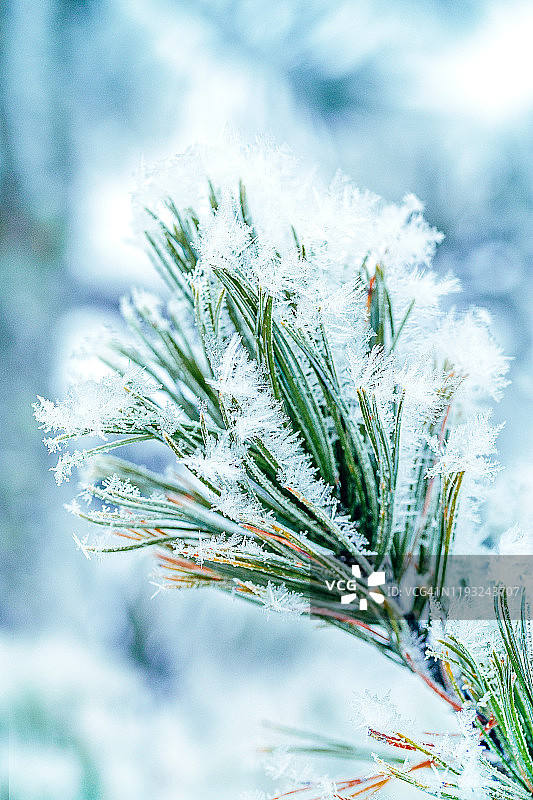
(316, 402)
(323, 412)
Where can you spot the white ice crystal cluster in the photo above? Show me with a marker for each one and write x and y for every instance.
(463, 752)
(92, 405)
(115, 404)
(253, 414)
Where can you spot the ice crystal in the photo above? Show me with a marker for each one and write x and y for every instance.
(516, 541)
(66, 463)
(280, 600)
(92, 406)
(475, 779)
(259, 416)
(479, 637)
(377, 712)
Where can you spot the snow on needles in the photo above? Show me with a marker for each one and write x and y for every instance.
(317, 397)
(339, 227)
(259, 219)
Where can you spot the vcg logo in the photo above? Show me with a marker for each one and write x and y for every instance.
(348, 588)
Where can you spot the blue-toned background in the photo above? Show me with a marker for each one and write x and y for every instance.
(112, 695)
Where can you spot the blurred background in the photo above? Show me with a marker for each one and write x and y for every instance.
(108, 693)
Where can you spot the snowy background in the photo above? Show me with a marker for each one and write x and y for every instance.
(109, 694)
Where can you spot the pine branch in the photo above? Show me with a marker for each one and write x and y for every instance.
(322, 417)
